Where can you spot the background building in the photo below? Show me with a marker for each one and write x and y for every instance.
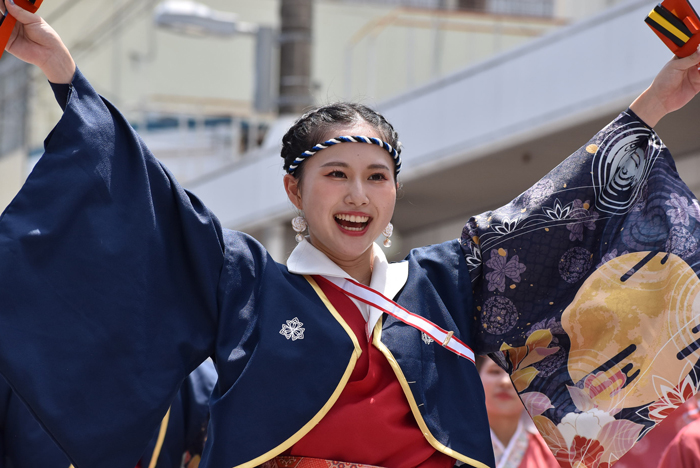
(488, 95)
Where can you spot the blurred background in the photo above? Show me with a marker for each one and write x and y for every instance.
(487, 95)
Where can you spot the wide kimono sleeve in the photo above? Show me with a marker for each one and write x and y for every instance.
(587, 293)
(108, 286)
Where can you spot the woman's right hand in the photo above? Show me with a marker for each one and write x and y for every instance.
(35, 42)
(675, 85)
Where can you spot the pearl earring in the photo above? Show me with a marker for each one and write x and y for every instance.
(388, 231)
(299, 225)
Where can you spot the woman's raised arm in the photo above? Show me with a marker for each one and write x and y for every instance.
(35, 42)
(587, 284)
(109, 275)
(675, 85)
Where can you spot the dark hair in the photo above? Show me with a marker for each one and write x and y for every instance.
(311, 128)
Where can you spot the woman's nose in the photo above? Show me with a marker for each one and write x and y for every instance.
(505, 380)
(356, 194)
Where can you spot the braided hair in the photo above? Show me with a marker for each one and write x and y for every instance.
(312, 127)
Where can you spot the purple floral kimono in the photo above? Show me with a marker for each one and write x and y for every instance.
(588, 292)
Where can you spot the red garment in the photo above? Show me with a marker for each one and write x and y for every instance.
(305, 462)
(647, 452)
(371, 422)
(684, 449)
(538, 454)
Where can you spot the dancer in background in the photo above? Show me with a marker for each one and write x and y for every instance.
(516, 442)
(648, 451)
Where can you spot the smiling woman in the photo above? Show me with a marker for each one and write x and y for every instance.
(115, 278)
(347, 192)
(516, 442)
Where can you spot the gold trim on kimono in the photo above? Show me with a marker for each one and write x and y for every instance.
(333, 398)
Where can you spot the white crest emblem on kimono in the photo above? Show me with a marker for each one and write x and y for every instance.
(292, 329)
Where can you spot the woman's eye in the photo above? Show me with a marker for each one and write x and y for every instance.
(377, 177)
(337, 174)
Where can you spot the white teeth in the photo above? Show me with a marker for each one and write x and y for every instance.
(352, 218)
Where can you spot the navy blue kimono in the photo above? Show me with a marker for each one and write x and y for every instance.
(114, 278)
(24, 444)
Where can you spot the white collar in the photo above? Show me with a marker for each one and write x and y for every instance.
(387, 278)
(502, 452)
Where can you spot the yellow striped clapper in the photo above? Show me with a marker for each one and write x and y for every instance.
(677, 24)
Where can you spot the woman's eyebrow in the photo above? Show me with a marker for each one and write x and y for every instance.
(344, 164)
(335, 163)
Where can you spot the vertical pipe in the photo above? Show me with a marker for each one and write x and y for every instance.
(264, 51)
(295, 55)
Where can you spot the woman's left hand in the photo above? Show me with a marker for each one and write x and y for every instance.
(675, 85)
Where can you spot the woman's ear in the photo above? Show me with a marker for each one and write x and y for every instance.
(293, 189)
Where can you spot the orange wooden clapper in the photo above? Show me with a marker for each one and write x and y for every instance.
(7, 22)
(677, 24)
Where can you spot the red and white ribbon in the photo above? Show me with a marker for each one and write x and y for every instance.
(376, 299)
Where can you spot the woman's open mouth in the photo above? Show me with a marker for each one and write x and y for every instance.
(352, 223)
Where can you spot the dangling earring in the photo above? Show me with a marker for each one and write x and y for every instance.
(299, 225)
(388, 231)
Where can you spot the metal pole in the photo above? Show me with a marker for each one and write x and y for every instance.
(295, 56)
(264, 50)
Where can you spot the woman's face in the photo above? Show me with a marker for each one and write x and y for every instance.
(501, 398)
(347, 193)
